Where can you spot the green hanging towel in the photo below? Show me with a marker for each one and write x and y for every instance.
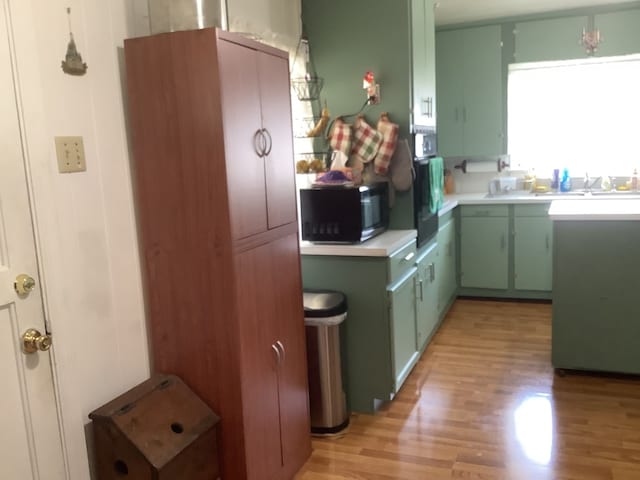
(436, 174)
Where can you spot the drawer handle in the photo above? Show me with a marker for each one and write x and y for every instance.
(409, 256)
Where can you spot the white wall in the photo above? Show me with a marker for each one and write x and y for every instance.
(85, 223)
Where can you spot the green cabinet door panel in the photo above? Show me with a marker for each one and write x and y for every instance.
(469, 91)
(595, 321)
(482, 110)
(620, 32)
(403, 327)
(533, 253)
(449, 82)
(423, 54)
(552, 39)
(484, 259)
(426, 297)
(447, 284)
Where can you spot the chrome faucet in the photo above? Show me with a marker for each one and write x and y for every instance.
(587, 185)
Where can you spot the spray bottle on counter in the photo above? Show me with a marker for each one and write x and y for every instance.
(565, 183)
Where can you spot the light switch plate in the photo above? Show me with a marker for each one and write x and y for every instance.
(70, 153)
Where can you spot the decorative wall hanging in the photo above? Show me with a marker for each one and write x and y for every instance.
(590, 40)
(72, 63)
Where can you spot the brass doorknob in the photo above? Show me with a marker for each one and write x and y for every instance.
(24, 284)
(33, 340)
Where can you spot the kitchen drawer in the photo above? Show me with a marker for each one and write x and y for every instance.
(537, 210)
(400, 260)
(484, 210)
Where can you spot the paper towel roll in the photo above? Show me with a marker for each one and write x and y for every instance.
(484, 166)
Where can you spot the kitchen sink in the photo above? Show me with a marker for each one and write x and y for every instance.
(571, 194)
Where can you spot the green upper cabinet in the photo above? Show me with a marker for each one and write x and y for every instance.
(552, 39)
(424, 67)
(620, 33)
(469, 91)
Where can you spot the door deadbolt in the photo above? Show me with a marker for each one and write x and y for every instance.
(33, 341)
(24, 284)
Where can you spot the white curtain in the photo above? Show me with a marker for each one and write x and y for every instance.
(583, 115)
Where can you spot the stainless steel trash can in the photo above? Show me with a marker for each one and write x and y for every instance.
(324, 311)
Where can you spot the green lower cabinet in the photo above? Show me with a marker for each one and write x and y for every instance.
(378, 337)
(595, 296)
(533, 253)
(402, 308)
(447, 284)
(426, 297)
(484, 252)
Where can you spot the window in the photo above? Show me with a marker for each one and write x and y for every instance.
(580, 114)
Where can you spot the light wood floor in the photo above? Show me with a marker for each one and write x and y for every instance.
(484, 403)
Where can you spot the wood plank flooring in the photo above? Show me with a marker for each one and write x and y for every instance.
(484, 403)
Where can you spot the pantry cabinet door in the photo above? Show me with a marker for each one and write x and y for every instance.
(279, 171)
(241, 112)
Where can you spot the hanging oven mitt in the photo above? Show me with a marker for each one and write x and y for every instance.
(340, 137)
(389, 132)
(366, 140)
(401, 166)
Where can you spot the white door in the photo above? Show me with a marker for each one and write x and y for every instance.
(30, 442)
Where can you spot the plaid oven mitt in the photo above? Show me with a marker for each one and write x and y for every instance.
(389, 132)
(366, 140)
(340, 138)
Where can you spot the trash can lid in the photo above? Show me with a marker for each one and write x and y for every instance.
(323, 303)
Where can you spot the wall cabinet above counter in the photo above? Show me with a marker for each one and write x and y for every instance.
(469, 91)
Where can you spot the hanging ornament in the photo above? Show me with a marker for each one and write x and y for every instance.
(72, 63)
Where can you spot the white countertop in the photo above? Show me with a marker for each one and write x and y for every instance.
(381, 246)
(597, 209)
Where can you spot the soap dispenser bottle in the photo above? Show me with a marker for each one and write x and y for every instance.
(634, 180)
(565, 183)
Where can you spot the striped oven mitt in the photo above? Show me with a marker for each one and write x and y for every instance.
(340, 138)
(389, 132)
(366, 141)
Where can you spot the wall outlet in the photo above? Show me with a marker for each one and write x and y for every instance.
(70, 153)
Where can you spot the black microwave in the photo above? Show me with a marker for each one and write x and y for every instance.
(344, 214)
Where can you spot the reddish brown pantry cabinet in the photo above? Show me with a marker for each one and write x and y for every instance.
(210, 120)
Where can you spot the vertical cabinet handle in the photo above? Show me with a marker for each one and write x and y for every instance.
(267, 149)
(432, 269)
(282, 350)
(258, 143)
(278, 357)
(421, 292)
(464, 114)
(456, 114)
(503, 242)
(546, 240)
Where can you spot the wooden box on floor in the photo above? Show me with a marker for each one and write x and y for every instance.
(159, 430)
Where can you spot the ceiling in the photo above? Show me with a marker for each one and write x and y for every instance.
(462, 11)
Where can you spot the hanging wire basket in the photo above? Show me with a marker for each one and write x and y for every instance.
(307, 88)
